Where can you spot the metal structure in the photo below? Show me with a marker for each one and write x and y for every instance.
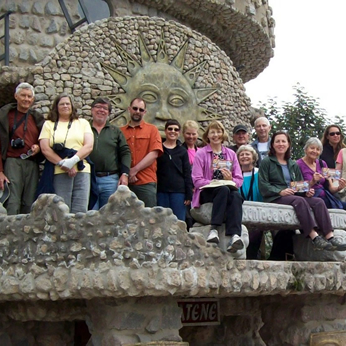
(71, 25)
(6, 36)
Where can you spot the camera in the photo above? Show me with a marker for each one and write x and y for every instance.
(58, 146)
(17, 143)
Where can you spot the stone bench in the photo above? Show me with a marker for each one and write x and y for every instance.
(268, 216)
(271, 216)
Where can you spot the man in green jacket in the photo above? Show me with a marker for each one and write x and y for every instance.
(111, 154)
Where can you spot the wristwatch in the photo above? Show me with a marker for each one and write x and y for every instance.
(125, 174)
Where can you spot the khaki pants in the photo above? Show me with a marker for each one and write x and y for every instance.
(23, 177)
(146, 193)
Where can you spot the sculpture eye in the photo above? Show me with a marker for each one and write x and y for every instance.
(176, 101)
(149, 96)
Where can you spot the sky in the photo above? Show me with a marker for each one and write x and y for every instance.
(310, 50)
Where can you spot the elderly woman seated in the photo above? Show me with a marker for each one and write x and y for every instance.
(311, 167)
(247, 157)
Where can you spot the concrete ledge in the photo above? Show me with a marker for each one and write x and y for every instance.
(268, 216)
(127, 250)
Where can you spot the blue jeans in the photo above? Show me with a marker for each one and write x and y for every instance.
(173, 200)
(74, 190)
(106, 186)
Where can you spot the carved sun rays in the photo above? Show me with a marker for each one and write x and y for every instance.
(121, 100)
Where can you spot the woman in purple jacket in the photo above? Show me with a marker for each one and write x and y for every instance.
(216, 162)
(311, 167)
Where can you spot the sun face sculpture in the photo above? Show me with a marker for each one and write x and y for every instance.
(168, 91)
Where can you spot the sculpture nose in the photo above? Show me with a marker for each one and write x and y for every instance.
(163, 113)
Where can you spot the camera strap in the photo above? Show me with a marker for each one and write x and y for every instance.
(55, 128)
(15, 125)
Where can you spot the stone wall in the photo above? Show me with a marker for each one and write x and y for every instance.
(124, 268)
(78, 71)
(243, 28)
(275, 321)
(271, 320)
(128, 250)
(36, 27)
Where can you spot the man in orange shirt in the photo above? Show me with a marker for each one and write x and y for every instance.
(146, 145)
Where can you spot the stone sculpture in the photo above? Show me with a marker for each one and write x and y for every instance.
(167, 90)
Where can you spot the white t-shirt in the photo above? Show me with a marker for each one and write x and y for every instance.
(263, 148)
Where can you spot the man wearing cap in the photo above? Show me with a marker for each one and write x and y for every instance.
(240, 137)
(20, 127)
(111, 155)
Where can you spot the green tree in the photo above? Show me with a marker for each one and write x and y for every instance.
(341, 122)
(303, 118)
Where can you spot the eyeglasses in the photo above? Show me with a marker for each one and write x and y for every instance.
(334, 133)
(28, 154)
(105, 108)
(138, 109)
(175, 129)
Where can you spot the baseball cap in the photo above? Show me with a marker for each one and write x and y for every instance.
(5, 193)
(239, 128)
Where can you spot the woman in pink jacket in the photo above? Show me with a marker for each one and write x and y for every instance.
(219, 165)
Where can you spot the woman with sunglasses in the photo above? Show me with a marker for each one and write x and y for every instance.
(215, 162)
(276, 173)
(66, 141)
(174, 183)
(333, 142)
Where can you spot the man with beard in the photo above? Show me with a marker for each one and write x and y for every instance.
(146, 145)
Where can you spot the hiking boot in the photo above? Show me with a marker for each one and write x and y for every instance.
(235, 244)
(213, 236)
(340, 246)
(320, 243)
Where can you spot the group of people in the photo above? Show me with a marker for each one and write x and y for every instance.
(274, 179)
(85, 162)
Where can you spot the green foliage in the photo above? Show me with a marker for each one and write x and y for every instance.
(341, 122)
(298, 282)
(303, 118)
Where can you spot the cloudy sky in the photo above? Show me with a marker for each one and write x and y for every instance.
(310, 50)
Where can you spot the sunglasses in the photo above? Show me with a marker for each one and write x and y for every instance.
(28, 154)
(334, 133)
(136, 109)
(173, 129)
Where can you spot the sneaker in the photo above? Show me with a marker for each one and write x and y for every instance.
(340, 246)
(235, 244)
(213, 236)
(320, 243)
